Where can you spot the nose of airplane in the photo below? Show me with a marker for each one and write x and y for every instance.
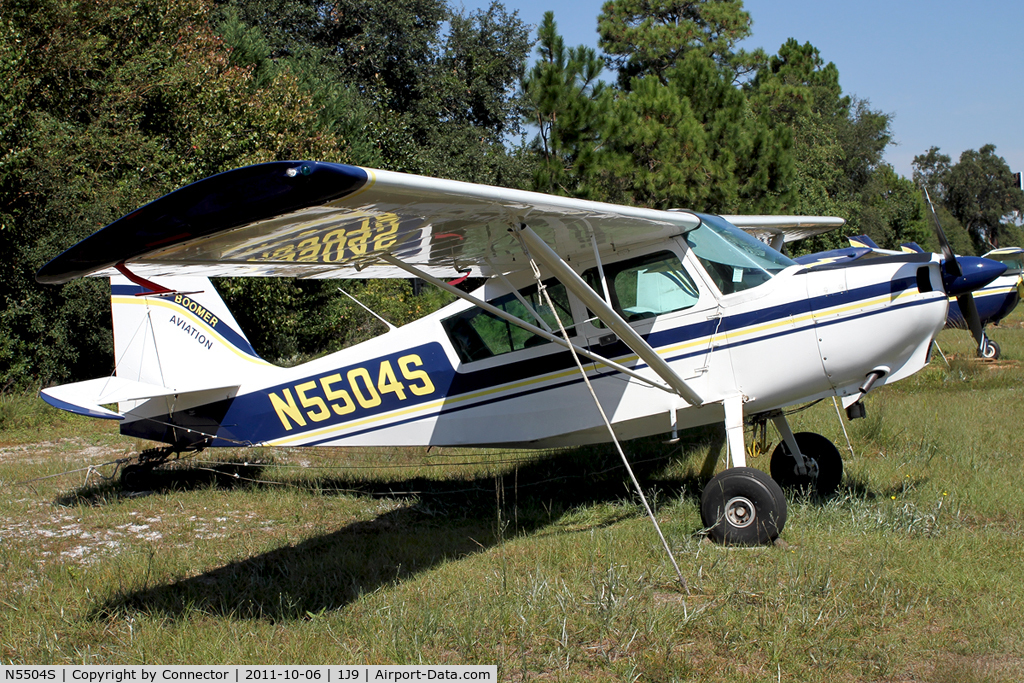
(976, 272)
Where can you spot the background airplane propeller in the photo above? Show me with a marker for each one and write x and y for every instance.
(961, 283)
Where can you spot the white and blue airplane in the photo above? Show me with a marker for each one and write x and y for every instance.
(990, 303)
(667, 319)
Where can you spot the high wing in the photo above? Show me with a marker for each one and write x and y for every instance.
(322, 220)
(777, 230)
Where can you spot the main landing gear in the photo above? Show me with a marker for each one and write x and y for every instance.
(745, 506)
(823, 469)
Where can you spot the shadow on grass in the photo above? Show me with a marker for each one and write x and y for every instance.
(177, 476)
(858, 487)
(446, 520)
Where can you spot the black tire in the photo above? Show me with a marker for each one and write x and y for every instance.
(136, 478)
(991, 350)
(743, 506)
(819, 450)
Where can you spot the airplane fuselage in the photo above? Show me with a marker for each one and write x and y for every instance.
(805, 333)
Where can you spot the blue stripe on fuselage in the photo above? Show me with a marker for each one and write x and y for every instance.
(505, 396)
(335, 396)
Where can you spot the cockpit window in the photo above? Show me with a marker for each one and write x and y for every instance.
(477, 334)
(646, 286)
(734, 260)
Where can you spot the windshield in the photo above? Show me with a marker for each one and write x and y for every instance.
(734, 260)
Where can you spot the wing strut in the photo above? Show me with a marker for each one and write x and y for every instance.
(504, 315)
(539, 250)
(608, 424)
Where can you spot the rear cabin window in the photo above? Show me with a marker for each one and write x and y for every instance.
(477, 334)
(645, 287)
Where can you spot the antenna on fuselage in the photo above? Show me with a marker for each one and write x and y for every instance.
(391, 327)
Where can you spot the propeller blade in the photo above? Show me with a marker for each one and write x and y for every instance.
(969, 309)
(952, 267)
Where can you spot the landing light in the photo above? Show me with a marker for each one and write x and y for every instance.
(305, 169)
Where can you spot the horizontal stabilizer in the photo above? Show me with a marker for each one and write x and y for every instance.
(88, 397)
(863, 241)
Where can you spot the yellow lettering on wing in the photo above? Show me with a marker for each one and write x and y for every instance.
(334, 246)
(309, 250)
(387, 237)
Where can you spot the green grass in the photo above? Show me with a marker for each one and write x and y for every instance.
(542, 563)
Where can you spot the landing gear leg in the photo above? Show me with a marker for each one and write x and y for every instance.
(742, 505)
(805, 461)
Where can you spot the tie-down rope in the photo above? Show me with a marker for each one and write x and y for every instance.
(608, 424)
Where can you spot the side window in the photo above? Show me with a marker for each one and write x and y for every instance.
(646, 286)
(477, 334)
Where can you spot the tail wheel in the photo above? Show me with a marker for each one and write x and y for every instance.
(139, 476)
(135, 478)
(743, 506)
(825, 466)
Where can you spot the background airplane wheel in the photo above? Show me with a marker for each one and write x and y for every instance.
(743, 506)
(991, 350)
(818, 449)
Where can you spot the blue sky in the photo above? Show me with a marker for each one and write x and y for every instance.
(950, 73)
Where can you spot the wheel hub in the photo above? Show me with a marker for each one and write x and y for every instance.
(740, 512)
(812, 468)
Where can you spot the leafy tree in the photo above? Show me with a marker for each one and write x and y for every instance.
(978, 192)
(981, 193)
(931, 171)
(893, 212)
(685, 138)
(290, 321)
(410, 86)
(838, 146)
(432, 89)
(117, 103)
(472, 107)
(650, 37)
(571, 109)
(694, 143)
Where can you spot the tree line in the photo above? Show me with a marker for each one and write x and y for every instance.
(107, 106)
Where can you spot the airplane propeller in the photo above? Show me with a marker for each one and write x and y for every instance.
(961, 282)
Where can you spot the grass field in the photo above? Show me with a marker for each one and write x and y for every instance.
(542, 563)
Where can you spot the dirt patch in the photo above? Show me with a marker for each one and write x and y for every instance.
(74, 448)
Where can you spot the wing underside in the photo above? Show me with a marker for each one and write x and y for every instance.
(320, 220)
